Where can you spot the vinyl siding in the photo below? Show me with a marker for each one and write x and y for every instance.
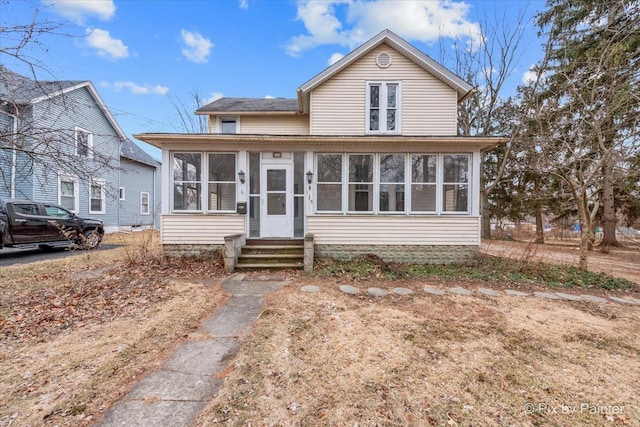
(136, 178)
(272, 124)
(396, 230)
(428, 106)
(200, 229)
(65, 113)
(6, 127)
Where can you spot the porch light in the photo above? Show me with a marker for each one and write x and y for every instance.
(309, 177)
(241, 176)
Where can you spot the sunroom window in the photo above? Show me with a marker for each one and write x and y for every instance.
(455, 186)
(361, 182)
(423, 182)
(329, 183)
(392, 182)
(187, 181)
(222, 181)
(383, 103)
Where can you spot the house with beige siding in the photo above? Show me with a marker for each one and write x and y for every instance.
(366, 159)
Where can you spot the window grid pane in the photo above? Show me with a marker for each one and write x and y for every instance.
(361, 182)
(222, 182)
(187, 185)
(455, 197)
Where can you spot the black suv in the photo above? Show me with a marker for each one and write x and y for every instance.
(28, 224)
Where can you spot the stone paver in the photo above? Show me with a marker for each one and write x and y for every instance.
(310, 288)
(377, 292)
(515, 293)
(460, 291)
(348, 289)
(592, 298)
(434, 291)
(489, 292)
(568, 296)
(623, 300)
(546, 295)
(402, 291)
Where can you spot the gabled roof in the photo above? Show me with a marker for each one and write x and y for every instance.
(21, 90)
(402, 46)
(245, 105)
(132, 151)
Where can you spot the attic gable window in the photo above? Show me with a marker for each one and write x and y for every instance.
(228, 125)
(84, 143)
(383, 108)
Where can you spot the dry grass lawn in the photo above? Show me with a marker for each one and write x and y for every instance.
(76, 333)
(335, 359)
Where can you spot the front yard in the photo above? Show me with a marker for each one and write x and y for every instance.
(76, 334)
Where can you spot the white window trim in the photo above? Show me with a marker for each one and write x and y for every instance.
(103, 196)
(383, 108)
(122, 194)
(142, 212)
(89, 142)
(439, 184)
(76, 187)
(204, 182)
(221, 118)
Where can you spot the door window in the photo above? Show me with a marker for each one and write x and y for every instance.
(276, 192)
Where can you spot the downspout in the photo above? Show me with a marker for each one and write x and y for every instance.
(118, 202)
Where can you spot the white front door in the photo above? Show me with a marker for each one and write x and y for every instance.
(276, 215)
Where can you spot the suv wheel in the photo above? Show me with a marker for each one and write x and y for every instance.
(92, 239)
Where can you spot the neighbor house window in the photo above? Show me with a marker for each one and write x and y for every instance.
(383, 107)
(144, 203)
(121, 193)
(228, 125)
(423, 182)
(84, 143)
(97, 197)
(392, 182)
(329, 183)
(361, 182)
(187, 181)
(222, 182)
(455, 183)
(68, 192)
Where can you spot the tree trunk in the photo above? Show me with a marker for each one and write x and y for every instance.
(539, 223)
(585, 234)
(486, 217)
(609, 220)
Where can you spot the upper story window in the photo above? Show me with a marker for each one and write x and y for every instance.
(84, 143)
(228, 124)
(383, 108)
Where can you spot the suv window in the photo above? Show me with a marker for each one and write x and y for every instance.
(57, 212)
(25, 208)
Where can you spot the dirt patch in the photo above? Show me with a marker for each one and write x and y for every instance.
(75, 336)
(329, 358)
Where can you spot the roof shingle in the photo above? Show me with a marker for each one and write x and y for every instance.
(250, 105)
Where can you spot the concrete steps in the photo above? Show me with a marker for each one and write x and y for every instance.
(271, 255)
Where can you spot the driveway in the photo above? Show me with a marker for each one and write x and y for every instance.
(10, 256)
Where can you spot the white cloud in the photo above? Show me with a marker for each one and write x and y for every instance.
(79, 10)
(269, 97)
(244, 4)
(196, 47)
(213, 97)
(423, 20)
(335, 58)
(531, 75)
(105, 45)
(136, 89)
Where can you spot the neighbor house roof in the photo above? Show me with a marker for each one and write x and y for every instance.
(249, 105)
(131, 151)
(21, 90)
(402, 46)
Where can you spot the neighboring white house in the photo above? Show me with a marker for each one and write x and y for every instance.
(366, 159)
(60, 144)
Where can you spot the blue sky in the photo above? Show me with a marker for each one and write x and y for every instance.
(146, 56)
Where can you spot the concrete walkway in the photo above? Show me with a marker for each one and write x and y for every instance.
(175, 395)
